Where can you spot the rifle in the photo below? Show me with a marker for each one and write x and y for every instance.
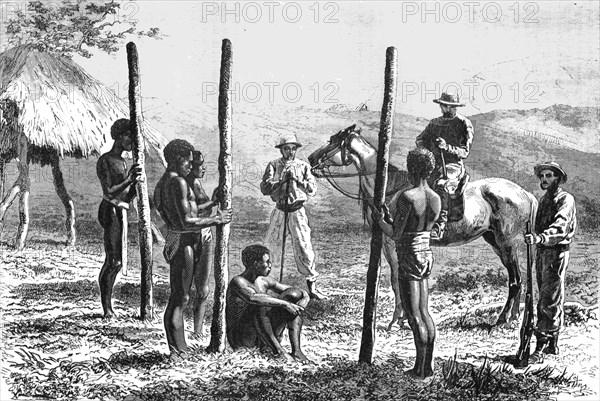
(522, 357)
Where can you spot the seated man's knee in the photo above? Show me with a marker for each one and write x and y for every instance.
(292, 295)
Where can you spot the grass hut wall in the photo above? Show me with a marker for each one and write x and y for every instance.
(51, 108)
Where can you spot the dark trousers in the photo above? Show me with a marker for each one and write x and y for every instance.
(551, 265)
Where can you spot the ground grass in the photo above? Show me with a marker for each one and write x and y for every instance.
(55, 345)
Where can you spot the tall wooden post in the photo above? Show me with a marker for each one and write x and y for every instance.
(385, 134)
(2, 177)
(217, 330)
(139, 156)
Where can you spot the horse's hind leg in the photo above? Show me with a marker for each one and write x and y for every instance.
(508, 254)
(389, 250)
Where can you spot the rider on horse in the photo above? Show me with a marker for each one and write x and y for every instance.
(449, 137)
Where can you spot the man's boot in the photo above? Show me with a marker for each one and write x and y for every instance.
(540, 347)
(552, 345)
(314, 292)
(439, 227)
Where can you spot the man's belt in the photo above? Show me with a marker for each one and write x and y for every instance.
(292, 207)
(117, 202)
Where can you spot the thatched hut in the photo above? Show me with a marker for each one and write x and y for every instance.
(51, 108)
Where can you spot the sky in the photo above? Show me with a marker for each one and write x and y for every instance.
(496, 54)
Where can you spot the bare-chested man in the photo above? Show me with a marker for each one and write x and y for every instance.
(118, 190)
(203, 254)
(256, 319)
(418, 209)
(175, 201)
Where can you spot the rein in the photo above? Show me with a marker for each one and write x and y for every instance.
(330, 177)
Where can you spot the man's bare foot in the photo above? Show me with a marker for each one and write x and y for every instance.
(299, 356)
(413, 375)
(109, 315)
(284, 357)
(198, 334)
(177, 356)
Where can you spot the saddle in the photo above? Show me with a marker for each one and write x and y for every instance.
(456, 201)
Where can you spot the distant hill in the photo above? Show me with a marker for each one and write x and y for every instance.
(507, 144)
(571, 127)
(500, 149)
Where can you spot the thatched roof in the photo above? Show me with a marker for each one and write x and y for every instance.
(58, 105)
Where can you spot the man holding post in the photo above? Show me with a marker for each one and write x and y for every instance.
(118, 189)
(417, 210)
(555, 225)
(289, 182)
(176, 203)
(449, 137)
(204, 251)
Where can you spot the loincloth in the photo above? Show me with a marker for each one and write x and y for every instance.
(174, 241)
(415, 258)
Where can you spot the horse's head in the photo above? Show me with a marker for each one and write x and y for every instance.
(335, 152)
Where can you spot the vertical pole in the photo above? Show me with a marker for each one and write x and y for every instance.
(25, 184)
(217, 330)
(139, 156)
(385, 134)
(2, 177)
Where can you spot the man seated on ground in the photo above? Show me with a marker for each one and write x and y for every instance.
(257, 319)
(417, 210)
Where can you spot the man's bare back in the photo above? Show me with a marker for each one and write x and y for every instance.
(420, 203)
(175, 201)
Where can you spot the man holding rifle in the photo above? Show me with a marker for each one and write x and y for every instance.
(289, 182)
(555, 225)
(449, 137)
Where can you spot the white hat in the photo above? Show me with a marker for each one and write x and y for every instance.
(288, 139)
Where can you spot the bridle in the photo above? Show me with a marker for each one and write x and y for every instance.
(330, 176)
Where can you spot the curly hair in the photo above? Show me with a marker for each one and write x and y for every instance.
(119, 128)
(177, 148)
(421, 162)
(253, 253)
(198, 157)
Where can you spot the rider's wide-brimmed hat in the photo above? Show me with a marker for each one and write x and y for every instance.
(449, 99)
(551, 166)
(287, 140)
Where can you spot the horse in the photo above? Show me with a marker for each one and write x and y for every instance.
(494, 208)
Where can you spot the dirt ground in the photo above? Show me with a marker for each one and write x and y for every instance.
(53, 335)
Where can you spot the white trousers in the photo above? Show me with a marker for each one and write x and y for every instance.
(298, 231)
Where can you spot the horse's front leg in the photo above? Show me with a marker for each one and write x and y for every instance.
(509, 256)
(389, 250)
